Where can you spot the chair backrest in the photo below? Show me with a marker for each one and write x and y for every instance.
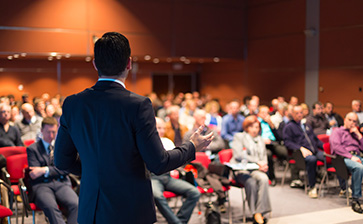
(324, 138)
(12, 150)
(202, 158)
(340, 167)
(225, 155)
(326, 147)
(29, 142)
(299, 159)
(15, 166)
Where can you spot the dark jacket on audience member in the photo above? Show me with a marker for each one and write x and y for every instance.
(11, 137)
(294, 137)
(113, 130)
(318, 123)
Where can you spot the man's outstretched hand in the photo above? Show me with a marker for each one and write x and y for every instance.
(201, 142)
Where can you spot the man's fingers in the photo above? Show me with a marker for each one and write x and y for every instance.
(200, 129)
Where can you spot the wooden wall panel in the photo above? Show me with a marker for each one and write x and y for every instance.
(337, 13)
(275, 18)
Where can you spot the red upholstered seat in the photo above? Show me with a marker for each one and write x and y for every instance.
(5, 212)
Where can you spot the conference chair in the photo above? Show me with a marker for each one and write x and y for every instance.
(28, 142)
(203, 158)
(225, 156)
(15, 165)
(328, 167)
(6, 200)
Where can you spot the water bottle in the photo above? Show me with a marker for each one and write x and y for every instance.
(244, 159)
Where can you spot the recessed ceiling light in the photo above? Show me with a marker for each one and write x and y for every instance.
(147, 57)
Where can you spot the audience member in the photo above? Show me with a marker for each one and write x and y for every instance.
(294, 100)
(272, 141)
(165, 182)
(46, 98)
(186, 114)
(9, 135)
(213, 119)
(217, 143)
(347, 142)
(306, 111)
(295, 181)
(317, 121)
(335, 120)
(30, 125)
(252, 107)
(39, 108)
(300, 136)
(25, 98)
(231, 122)
(255, 182)
(274, 105)
(277, 117)
(357, 108)
(50, 186)
(245, 102)
(49, 110)
(173, 129)
(162, 111)
(15, 114)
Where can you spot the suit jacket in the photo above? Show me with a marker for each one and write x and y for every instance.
(37, 156)
(113, 131)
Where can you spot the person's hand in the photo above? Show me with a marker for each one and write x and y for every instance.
(262, 166)
(36, 172)
(201, 142)
(356, 159)
(305, 152)
(267, 141)
(355, 131)
(332, 123)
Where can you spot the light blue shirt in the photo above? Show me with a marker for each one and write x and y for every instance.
(112, 80)
(266, 131)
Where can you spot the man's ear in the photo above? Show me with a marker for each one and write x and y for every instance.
(94, 64)
(129, 64)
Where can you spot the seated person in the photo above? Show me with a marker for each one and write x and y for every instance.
(335, 120)
(256, 181)
(50, 185)
(213, 119)
(9, 135)
(231, 122)
(317, 120)
(217, 143)
(30, 125)
(300, 136)
(165, 182)
(347, 141)
(357, 108)
(272, 141)
(173, 129)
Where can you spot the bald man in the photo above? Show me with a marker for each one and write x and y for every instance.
(347, 141)
(30, 125)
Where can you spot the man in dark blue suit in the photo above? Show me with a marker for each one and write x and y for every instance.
(49, 184)
(108, 135)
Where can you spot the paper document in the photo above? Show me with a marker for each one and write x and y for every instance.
(238, 166)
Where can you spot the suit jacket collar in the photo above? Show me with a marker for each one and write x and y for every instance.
(107, 85)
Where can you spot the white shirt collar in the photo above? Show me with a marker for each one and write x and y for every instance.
(112, 80)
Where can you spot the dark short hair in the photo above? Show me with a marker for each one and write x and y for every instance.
(112, 52)
(317, 103)
(49, 121)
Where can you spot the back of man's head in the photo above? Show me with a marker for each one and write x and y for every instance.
(112, 52)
